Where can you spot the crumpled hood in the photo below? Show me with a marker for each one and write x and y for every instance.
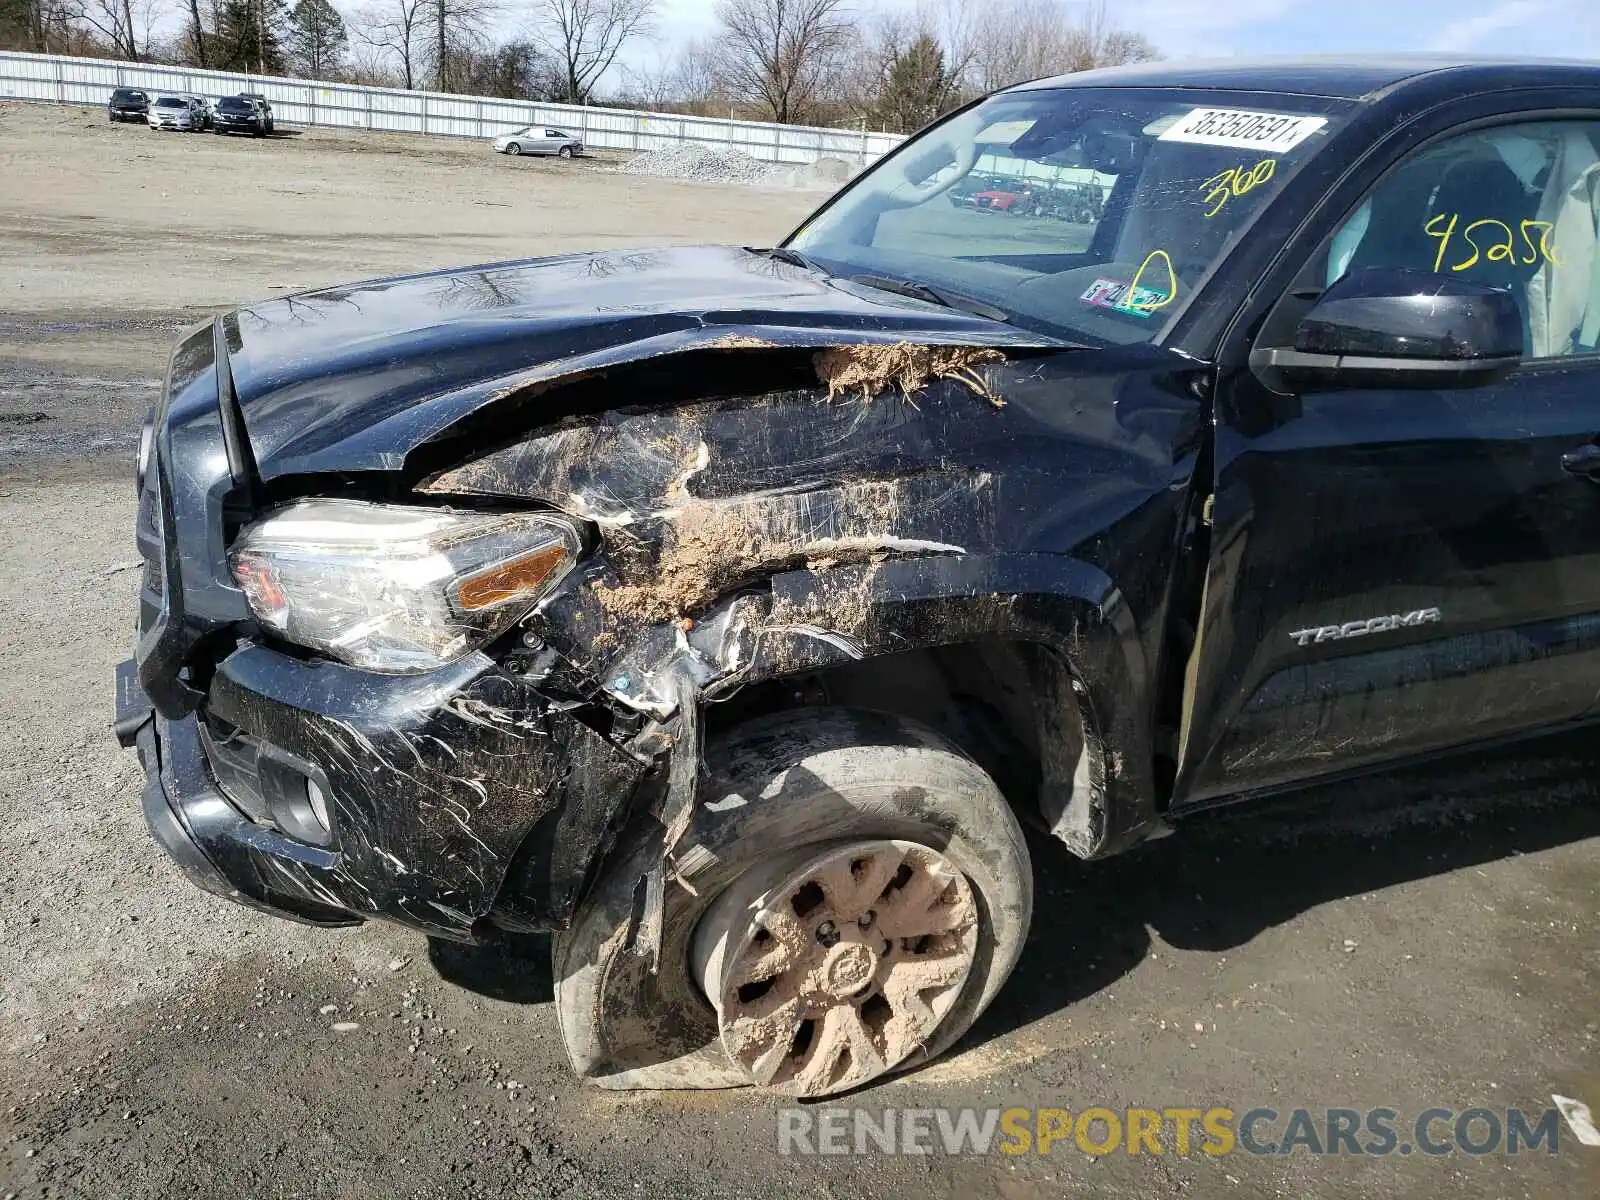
(355, 377)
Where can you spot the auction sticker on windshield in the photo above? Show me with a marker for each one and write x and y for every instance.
(1244, 130)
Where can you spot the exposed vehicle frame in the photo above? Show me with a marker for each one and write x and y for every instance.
(822, 578)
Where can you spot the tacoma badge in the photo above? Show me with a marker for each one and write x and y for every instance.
(1350, 629)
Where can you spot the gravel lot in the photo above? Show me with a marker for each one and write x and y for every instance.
(161, 1043)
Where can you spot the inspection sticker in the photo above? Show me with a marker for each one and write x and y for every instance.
(1116, 295)
(1271, 132)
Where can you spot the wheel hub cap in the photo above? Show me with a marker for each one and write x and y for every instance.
(833, 966)
(847, 969)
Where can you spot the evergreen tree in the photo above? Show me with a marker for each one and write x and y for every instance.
(316, 39)
(250, 36)
(916, 88)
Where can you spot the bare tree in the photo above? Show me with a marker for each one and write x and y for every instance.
(391, 31)
(112, 20)
(1094, 40)
(696, 81)
(585, 35)
(193, 40)
(1013, 40)
(456, 30)
(780, 54)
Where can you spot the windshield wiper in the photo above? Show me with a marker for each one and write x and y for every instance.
(921, 291)
(793, 257)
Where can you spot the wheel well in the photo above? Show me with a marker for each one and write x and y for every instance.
(985, 696)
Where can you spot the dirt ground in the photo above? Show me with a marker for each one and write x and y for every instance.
(1415, 942)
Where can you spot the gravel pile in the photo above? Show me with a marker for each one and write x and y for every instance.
(706, 164)
(702, 164)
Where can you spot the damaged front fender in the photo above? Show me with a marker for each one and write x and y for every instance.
(883, 500)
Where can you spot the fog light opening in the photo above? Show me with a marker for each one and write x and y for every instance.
(319, 805)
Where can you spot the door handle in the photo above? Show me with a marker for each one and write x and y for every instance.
(1584, 461)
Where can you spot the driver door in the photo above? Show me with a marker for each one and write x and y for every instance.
(1396, 570)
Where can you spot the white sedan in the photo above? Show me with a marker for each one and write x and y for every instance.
(539, 139)
(173, 112)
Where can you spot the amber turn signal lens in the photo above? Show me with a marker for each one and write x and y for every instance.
(517, 579)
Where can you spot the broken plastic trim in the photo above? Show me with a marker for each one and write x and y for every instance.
(677, 811)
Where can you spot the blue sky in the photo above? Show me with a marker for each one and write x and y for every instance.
(1185, 28)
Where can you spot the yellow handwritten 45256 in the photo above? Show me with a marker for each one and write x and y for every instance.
(1502, 248)
(1236, 181)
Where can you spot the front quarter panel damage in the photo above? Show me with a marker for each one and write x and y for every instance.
(787, 524)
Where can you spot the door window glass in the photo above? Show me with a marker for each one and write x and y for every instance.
(1516, 207)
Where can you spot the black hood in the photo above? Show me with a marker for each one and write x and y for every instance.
(355, 377)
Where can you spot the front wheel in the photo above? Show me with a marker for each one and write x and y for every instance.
(860, 891)
(514, 148)
(564, 152)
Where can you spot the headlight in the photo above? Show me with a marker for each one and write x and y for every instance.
(390, 587)
(147, 447)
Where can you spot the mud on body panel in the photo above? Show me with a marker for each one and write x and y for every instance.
(938, 501)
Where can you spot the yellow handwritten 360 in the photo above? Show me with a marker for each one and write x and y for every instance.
(1501, 249)
(1236, 181)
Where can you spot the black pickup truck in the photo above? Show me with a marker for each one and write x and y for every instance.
(727, 610)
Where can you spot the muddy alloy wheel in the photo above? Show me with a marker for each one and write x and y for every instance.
(565, 152)
(831, 968)
(855, 892)
(514, 148)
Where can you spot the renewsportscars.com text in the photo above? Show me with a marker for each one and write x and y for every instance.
(1167, 1131)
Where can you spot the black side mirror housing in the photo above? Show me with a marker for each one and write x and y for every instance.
(1390, 327)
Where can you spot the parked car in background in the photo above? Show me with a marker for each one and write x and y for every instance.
(1017, 203)
(173, 112)
(263, 104)
(202, 111)
(236, 114)
(539, 139)
(127, 104)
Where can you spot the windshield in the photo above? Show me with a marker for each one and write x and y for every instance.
(124, 94)
(1086, 212)
(169, 102)
(235, 106)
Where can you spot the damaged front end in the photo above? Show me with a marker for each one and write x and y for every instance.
(736, 506)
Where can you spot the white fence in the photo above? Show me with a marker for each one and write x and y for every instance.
(88, 81)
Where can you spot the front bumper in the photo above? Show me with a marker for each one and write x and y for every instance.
(453, 801)
(458, 800)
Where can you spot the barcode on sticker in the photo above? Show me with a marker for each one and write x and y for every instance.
(1271, 132)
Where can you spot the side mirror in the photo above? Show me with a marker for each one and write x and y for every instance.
(1388, 327)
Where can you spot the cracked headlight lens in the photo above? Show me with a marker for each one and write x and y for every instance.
(396, 588)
